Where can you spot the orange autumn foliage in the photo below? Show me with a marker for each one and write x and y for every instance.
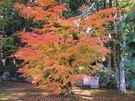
(53, 54)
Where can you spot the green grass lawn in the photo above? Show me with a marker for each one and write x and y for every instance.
(14, 91)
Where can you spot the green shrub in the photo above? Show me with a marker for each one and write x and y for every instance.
(104, 74)
(111, 85)
(13, 72)
(21, 79)
(1, 72)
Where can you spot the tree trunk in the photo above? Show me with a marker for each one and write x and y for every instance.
(115, 65)
(69, 92)
(109, 62)
(108, 45)
(110, 3)
(109, 57)
(97, 3)
(104, 4)
(1, 56)
(122, 79)
(117, 78)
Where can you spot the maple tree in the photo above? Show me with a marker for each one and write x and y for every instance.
(54, 54)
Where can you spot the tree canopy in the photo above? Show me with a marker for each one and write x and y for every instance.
(53, 54)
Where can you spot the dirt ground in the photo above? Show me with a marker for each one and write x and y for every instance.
(18, 91)
(11, 86)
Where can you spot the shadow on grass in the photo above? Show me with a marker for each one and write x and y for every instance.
(14, 92)
(10, 86)
(104, 94)
(37, 94)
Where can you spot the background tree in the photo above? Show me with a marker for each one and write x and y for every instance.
(118, 51)
(127, 27)
(10, 23)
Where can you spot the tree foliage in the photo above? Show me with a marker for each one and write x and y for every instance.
(9, 45)
(53, 54)
(126, 6)
(5, 12)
